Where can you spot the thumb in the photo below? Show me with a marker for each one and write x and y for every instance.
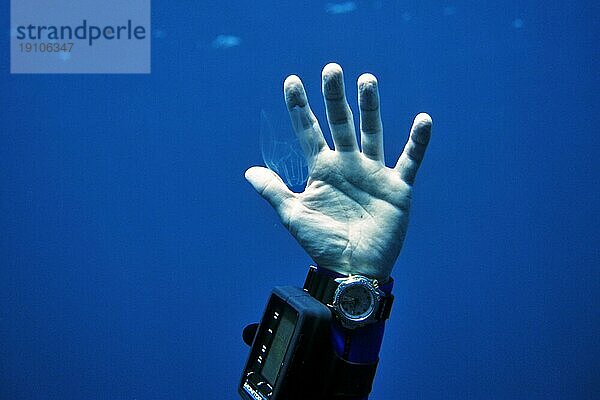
(270, 186)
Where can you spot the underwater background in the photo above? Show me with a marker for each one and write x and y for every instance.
(133, 252)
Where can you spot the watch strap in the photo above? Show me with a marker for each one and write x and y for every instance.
(321, 285)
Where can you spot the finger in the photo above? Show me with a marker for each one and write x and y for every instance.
(339, 115)
(303, 120)
(371, 130)
(413, 153)
(271, 187)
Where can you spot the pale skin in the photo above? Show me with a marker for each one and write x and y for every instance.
(353, 214)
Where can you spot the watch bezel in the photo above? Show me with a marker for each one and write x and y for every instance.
(347, 320)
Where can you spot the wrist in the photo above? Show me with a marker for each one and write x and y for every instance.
(369, 271)
(360, 307)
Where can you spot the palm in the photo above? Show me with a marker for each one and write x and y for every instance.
(353, 214)
(346, 217)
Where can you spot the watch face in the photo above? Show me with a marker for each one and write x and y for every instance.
(356, 301)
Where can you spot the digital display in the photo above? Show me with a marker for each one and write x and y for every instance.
(279, 345)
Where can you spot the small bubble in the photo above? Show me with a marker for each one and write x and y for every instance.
(517, 23)
(159, 34)
(340, 8)
(407, 16)
(64, 55)
(226, 41)
(449, 10)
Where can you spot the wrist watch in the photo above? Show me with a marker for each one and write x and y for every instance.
(355, 300)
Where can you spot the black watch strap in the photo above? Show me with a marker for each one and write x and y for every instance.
(320, 286)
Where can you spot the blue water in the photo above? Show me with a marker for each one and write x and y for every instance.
(133, 252)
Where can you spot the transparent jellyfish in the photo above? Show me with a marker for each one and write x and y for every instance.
(283, 152)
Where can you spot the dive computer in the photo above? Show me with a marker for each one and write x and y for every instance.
(300, 350)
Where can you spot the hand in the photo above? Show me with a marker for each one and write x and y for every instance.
(353, 214)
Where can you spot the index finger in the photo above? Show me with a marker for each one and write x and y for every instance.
(303, 119)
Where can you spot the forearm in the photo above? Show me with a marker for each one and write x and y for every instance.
(355, 339)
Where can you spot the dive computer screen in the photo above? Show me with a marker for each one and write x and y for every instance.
(279, 344)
